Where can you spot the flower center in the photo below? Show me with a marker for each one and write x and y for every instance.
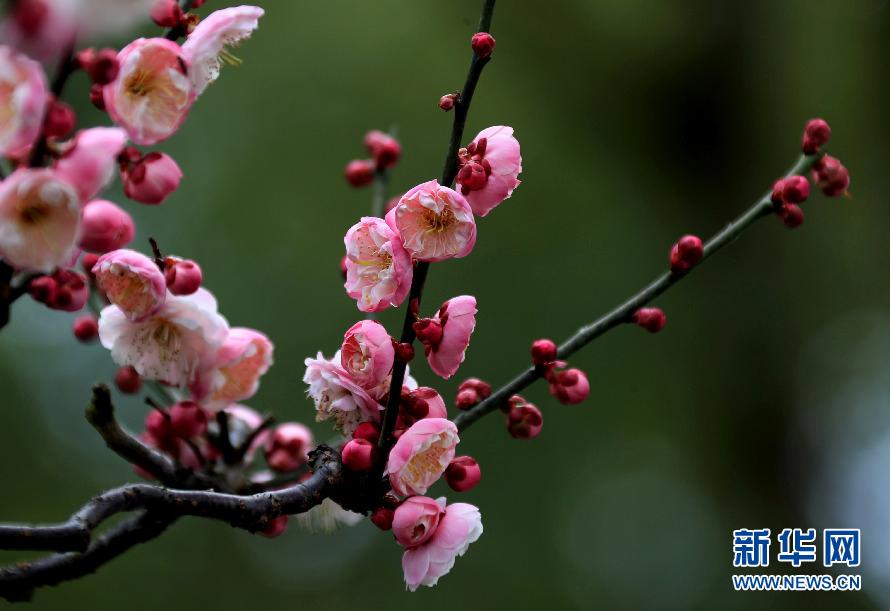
(426, 462)
(140, 83)
(437, 223)
(34, 212)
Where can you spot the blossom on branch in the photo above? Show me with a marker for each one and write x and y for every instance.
(421, 455)
(378, 268)
(489, 167)
(23, 99)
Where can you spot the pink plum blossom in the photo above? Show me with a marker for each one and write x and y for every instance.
(152, 94)
(39, 220)
(489, 168)
(152, 179)
(23, 98)
(421, 455)
(367, 353)
(105, 227)
(90, 161)
(235, 372)
(446, 348)
(171, 345)
(416, 520)
(435, 222)
(132, 282)
(460, 526)
(208, 45)
(378, 268)
(337, 396)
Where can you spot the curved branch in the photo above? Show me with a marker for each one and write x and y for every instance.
(449, 172)
(623, 313)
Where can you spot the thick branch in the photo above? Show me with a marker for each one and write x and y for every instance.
(624, 312)
(449, 172)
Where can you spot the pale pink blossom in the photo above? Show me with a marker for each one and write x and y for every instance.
(39, 220)
(235, 372)
(105, 227)
(421, 455)
(435, 222)
(367, 353)
(90, 161)
(170, 346)
(460, 526)
(378, 268)
(23, 98)
(489, 168)
(132, 282)
(152, 94)
(337, 396)
(457, 320)
(415, 520)
(208, 46)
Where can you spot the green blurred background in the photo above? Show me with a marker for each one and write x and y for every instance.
(761, 404)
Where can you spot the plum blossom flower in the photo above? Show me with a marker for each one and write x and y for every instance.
(435, 222)
(378, 268)
(39, 220)
(90, 161)
(23, 98)
(105, 227)
(367, 353)
(421, 455)
(152, 94)
(327, 517)
(209, 42)
(489, 168)
(446, 336)
(171, 345)
(337, 396)
(132, 282)
(459, 526)
(416, 520)
(235, 372)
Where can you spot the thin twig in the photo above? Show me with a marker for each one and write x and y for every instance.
(449, 172)
(623, 313)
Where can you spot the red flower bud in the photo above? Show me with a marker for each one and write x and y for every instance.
(467, 398)
(153, 179)
(97, 96)
(651, 319)
(359, 454)
(482, 43)
(815, 134)
(166, 13)
(543, 351)
(463, 473)
(385, 149)
(188, 419)
(791, 215)
(404, 351)
(86, 328)
(128, 380)
(429, 332)
(275, 528)
(447, 101)
(101, 66)
(183, 275)
(367, 431)
(382, 518)
(105, 227)
(795, 189)
(686, 253)
(831, 176)
(59, 120)
(359, 172)
(524, 421)
(158, 426)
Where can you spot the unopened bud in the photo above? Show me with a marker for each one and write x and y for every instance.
(447, 101)
(831, 176)
(153, 179)
(101, 66)
(382, 518)
(815, 134)
(482, 43)
(543, 351)
(188, 419)
(359, 172)
(183, 276)
(795, 189)
(367, 431)
(275, 528)
(105, 227)
(463, 473)
(385, 149)
(128, 380)
(85, 328)
(166, 13)
(791, 215)
(686, 253)
(287, 449)
(651, 319)
(59, 120)
(358, 454)
(525, 421)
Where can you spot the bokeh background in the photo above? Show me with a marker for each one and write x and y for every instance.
(763, 403)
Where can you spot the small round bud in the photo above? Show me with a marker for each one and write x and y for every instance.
(831, 176)
(128, 380)
(404, 351)
(275, 528)
(166, 13)
(385, 149)
(686, 253)
(463, 473)
(43, 289)
(97, 96)
(88, 262)
(482, 43)
(382, 518)
(367, 431)
(101, 66)
(481, 387)
(152, 179)
(188, 419)
(158, 426)
(359, 172)
(570, 386)
(358, 454)
(815, 134)
(791, 215)
(71, 291)
(651, 319)
(447, 101)
(287, 449)
(776, 195)
(525, 421)
(543, 351)
(183, 275)
(795, 189)
(105, 227)
(467, 398)
(86, 328)
(59, 120)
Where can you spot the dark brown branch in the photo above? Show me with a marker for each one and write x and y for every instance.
(623, 313)
(67, 66)
(449, 172)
